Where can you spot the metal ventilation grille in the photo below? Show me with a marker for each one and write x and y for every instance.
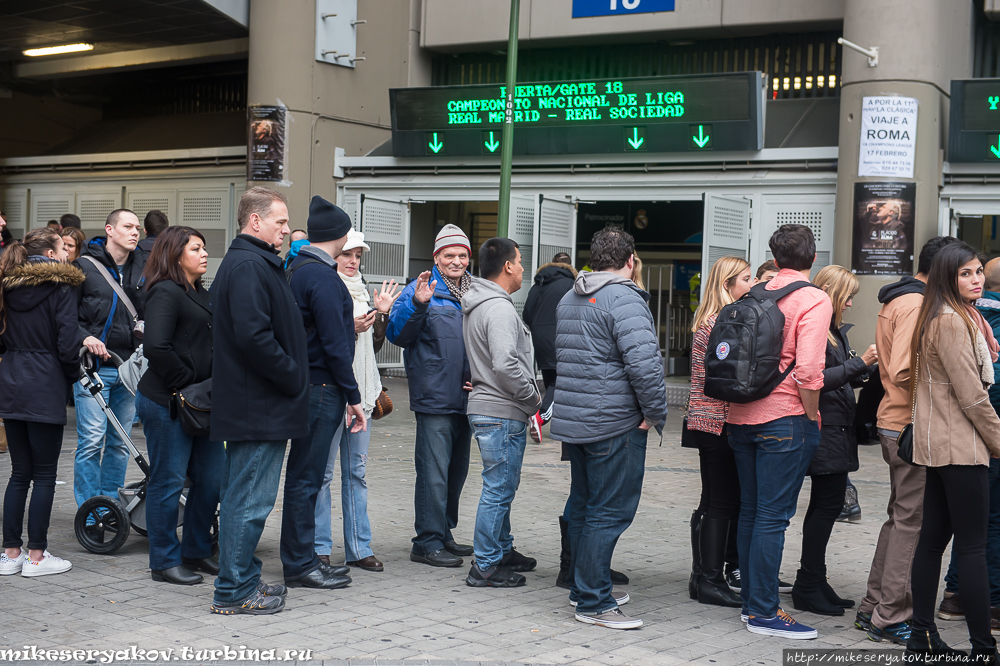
(728, 223)
(51, 210)
(795, 66)
(94, 212)
(384, 259)
(201, 209)
(141, 206)
(546, 252)
(810, 218)
(215, 242)
(13, 212)
(386, 220)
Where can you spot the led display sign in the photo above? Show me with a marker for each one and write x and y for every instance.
(661, 114)
(974, 125)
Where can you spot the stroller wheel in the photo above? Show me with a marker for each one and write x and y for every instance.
(101, 525)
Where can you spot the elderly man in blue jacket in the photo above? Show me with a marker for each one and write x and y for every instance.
(426, 321)
(951, 606)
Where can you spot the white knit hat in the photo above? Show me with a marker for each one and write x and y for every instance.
(451, 235)
(355, 239)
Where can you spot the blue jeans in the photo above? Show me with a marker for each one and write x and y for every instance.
(173, 456)
(607, 482)
(772, 459)
(992, 542)
(353, 447)
(307, 459)
(249, 488)
(92, 474)
(441, 458)
(501, 445)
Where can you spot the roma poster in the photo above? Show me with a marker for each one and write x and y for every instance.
(883, 228)
(266, 143)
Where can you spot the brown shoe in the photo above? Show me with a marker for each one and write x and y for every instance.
(370, 563)
(325, 559)
(951, 607)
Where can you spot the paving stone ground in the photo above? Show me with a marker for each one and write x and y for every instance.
(415, 614)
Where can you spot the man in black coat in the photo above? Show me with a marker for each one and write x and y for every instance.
(328, 311)
(153, 224)
(260, 394)
(106, 324)
(552, 281)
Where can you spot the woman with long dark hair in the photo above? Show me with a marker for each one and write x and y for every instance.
(838, 447)
(40, 340)
(728, 281)
(178, 345)
(955, 432)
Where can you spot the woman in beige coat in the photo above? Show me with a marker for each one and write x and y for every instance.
(955, 431)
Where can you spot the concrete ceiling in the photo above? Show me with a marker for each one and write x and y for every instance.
(114, 25)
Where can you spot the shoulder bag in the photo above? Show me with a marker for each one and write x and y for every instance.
(192, 406)
(131, 371)
(905, 442)
(383, 405)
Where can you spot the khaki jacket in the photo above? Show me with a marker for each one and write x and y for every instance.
(893, 333)
(954, 422)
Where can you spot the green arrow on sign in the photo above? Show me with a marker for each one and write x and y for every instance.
(996, 149)
(435, 145)
(492, 144)
(701, 139)
(635, 141)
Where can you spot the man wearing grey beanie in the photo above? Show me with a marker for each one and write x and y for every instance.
(426, 321)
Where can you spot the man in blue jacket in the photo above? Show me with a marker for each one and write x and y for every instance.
(328, 313)
(426, 321)
(951, 606)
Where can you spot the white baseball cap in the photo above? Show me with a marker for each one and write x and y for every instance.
(355, 239)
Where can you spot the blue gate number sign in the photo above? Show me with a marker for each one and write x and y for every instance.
(584, 8)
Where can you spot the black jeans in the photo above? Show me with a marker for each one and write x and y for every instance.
(956, 502)
(307, 458)
(826, 501)
(34, 456)
(441, 457)
(720, 483)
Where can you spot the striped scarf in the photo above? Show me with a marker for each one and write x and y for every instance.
(460, 289)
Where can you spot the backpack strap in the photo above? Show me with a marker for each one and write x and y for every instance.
(761, 293)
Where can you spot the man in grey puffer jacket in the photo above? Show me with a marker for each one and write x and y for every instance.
(609, 393)
(504, 396)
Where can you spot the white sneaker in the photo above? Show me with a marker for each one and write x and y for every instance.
(621, 599)
(8, 566)
(612, 619)
(49, 564)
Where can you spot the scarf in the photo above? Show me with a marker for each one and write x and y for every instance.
(460, 289)
(987, 331)
(365, 368)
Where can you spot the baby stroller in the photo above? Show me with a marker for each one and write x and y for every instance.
(102, 523)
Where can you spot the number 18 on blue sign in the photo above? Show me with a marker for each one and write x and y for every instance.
(585, 8)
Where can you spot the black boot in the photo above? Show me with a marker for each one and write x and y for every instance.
(712, 586)
(924, 643)
(986, 655)
(733, 556)
(831, 595)
(564, 579)
(807, 595)
(695, 553)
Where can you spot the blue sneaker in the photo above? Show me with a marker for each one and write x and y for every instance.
(781, 625)
(897, 633)
(862, 621)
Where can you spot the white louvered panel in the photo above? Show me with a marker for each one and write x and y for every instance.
(141, 202)
(521, 230)
(13, 205)
(386, 227)
(557, 230)
(815, 212)
(47, 207)
(726, 230)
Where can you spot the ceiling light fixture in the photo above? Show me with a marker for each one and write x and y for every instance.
(57, 50)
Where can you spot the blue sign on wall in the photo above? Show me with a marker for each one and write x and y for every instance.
(584, 8)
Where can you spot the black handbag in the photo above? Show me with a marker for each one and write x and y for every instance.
(192, 405)
(687, 437)
(905, 442)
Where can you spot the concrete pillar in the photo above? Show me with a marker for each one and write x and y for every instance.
(331, 106)
(923, 45)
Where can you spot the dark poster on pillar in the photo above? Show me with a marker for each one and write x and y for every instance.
(883, 228)
(266, 143)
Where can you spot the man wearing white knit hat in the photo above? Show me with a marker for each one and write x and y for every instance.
(426, 321)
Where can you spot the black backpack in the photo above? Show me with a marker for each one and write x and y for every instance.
(744, 349)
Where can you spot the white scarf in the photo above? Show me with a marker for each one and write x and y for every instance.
(365, 369)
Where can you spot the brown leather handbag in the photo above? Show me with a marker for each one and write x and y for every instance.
(383, 405)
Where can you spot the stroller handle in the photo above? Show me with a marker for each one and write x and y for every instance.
(88, 362)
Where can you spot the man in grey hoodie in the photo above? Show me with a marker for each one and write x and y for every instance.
(609, 393)
(504, 396)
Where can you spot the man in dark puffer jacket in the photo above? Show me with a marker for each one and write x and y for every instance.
(609, 393)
